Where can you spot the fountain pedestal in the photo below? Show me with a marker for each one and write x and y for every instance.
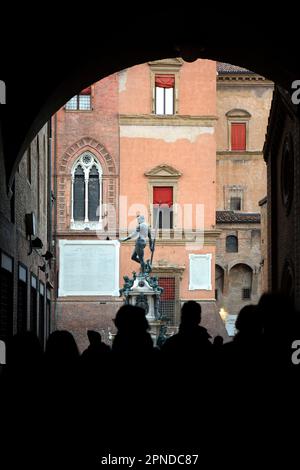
(143, 291)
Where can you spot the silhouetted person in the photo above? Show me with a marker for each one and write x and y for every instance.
(132, 336)
(61, 356)
(280, 326)
(217, 346)
(133, 383)
(96, 355)
(218, 341)
(192, 340)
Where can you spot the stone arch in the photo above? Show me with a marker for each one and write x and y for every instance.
(243, 261)
(106, 160)
(240, 286)
(238, 113)
(109, 181)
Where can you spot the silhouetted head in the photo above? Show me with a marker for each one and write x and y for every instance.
(248, 321)
(190, 314)
(218, 340)
(132, 336)
(130, 318)
(61, 348)
(94, 337)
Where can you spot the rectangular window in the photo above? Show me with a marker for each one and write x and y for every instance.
(167, 302)
(72, 103)
(22, 300)
(232, 244)
(33, 304)
(85, 102)
(163, 202)
(246, 294)
(28, 160)
(235, 204)
(238, 136)
(164, 94)
(42, 313)
(48, 313)
(80, 102)
(6, 297)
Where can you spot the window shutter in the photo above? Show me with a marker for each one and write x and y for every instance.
(238, 136)
(165, 81)
(163, 195)
(86, 91)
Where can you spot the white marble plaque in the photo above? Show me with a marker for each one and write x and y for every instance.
(89, 267)
(200, 272)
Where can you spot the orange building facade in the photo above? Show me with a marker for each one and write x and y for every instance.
(142, 137)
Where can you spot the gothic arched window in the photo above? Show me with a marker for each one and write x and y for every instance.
(86, 193)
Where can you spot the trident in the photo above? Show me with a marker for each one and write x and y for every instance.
(155, 233)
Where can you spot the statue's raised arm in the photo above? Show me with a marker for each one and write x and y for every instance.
(141, 234)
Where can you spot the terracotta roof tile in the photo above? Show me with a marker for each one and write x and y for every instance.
(222, 67)
(229, 217)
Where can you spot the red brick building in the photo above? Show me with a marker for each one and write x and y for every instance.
(26, 265)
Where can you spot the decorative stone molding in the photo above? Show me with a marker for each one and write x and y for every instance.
(64, 179)
(177, 238)
(237, 116)
(240, 156)
(166, 120)
(238, 113)
(163, 175)
(243, 79)
(163, 171)
(88, 144)
(166, 66)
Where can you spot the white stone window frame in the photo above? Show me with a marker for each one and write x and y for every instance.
(168, 67)
(86, 164)
(238, 116)
(234, 191)
(163, 175)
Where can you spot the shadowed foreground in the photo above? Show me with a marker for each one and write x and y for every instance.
(195, 395)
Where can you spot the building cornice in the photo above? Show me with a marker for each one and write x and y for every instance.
(177, 238)
(102, 299)
(172, 120)
(161, 268)
(243, 79)
(241, 226)
(232, 155)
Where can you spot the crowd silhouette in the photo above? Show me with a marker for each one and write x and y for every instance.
(135, 395)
